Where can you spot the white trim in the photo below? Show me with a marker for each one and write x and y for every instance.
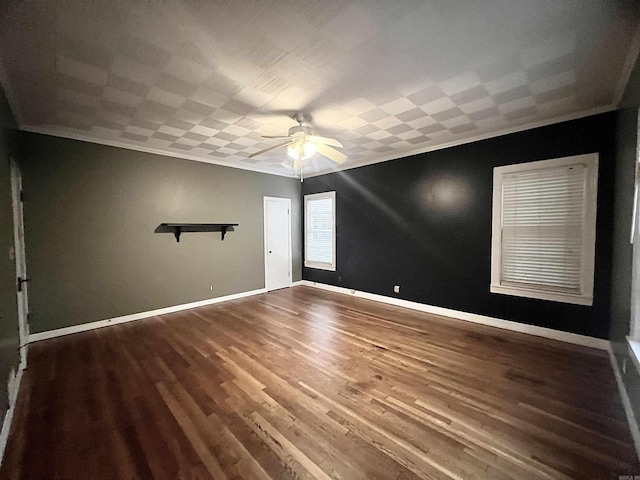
(627, 68)
(634, 352)
(317, 265)
(634, 214)
(264, 212)
(141, 148)
(586, 300)
(394, 156)
(464, 141)
(585, 297)
(22, 296)
(568, 337)
(36, 337)
(626, 401)
(634, 320)
(13, 388)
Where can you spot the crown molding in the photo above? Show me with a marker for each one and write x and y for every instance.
(139, 148)
(477, 138)
(114, 143)
(627, 68)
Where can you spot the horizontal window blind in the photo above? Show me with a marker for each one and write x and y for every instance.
(543, 219)
(319, 230)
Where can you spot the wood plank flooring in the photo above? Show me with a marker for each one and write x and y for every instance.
(303, 383)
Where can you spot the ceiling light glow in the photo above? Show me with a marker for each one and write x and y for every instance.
(301, 149)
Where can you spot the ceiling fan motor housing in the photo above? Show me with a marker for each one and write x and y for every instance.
(299, 130)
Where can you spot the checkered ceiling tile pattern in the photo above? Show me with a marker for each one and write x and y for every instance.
(204, 80)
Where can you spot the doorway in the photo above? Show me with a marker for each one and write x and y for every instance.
(277, 243)
(21, 263)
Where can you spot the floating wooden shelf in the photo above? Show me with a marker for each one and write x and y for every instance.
(178, 228)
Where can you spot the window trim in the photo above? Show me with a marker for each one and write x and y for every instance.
(319, 265)
(588, 238)
(633, 339)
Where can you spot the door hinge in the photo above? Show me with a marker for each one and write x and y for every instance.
(20, 282)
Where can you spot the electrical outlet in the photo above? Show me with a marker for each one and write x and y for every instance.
(396, 289)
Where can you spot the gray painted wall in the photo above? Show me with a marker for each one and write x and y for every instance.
(626, 143)
(90, 215)
(631, 96)
(9, 333)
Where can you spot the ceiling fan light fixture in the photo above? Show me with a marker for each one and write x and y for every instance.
(301, 149)
(302, 144)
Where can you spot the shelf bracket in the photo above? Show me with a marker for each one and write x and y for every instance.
(223, 231)
(177, 231)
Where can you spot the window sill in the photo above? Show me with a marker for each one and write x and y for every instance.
(320, 266)
(541, 295)
(634, 352)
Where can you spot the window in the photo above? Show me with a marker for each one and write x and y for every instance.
(544, 221)
(320, 230)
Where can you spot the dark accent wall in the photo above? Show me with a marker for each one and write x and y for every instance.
(90, 216)
(424, 223)
(9, 332)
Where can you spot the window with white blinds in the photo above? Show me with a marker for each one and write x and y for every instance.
(544, 229)
(320, 230)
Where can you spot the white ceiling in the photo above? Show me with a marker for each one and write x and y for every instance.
(205, 79)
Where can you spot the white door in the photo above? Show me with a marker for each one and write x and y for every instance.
(21, 264)
(277, 242)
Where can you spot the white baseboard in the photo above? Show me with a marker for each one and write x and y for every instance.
(13, 387)
(574, 338)
(36, 337)
(626, 401)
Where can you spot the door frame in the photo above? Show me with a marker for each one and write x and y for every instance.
(287, 202)
(20, 258)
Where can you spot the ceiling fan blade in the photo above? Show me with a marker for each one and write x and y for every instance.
(331, 153)
(274, 136)
(327, 141)
(269, 149)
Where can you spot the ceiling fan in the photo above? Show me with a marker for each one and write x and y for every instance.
(302, 144)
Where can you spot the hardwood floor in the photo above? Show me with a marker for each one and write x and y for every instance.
(303, 383)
